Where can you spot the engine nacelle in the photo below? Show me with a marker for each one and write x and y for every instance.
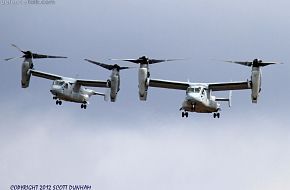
(25, 74)
(143, 84)
(114, 87)
(256, 84)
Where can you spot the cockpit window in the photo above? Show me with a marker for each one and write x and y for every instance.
(59, 83)
(197, 90)
(190, 90)
(194, 90)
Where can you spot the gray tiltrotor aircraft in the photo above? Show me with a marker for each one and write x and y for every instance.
(199, 96)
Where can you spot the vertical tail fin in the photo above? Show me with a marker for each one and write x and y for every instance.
(107, 95)
(229, 99)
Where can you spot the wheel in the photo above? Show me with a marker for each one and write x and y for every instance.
(82, 106)
(182, 114)
(218, 115)
(214, 115)
(186, 114)
(85, 106)
(57, 102)
(60, 102)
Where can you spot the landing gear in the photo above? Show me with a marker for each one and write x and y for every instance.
(58, 102)
(216, 115)
(84, 106)
(184, 114)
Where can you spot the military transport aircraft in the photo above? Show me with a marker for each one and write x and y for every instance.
(115, 79)
(70, 89)
(199, 95)
(63, 88)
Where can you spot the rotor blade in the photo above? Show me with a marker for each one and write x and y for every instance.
(28, 54)
(106, 66)
(17, 48)
(129, 60)
(245, 63)
(269, 63)
(121, 68)
(152, 61)
(40, 56)
(9, 59)
(122, 59)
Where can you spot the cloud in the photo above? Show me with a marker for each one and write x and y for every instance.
(157, 154)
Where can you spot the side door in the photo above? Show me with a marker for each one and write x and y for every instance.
(67, 89)
(204, 97)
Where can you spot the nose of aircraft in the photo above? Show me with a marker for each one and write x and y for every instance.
(55, 89)
(193, 97)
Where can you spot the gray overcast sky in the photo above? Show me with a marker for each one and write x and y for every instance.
(146, 145)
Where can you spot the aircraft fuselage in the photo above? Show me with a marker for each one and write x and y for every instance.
(69, 92)
(196, 102)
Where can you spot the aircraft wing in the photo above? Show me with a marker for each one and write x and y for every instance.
(45, 75)
(168, 84)
(93, 83)
(213, 86)
(229, 86)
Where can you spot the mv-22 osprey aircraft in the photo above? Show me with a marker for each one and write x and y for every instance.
(63, 88)
(199, 96)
